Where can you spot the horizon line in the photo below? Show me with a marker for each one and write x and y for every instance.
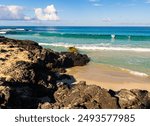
(75, 26)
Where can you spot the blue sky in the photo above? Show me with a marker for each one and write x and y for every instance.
(75, 12)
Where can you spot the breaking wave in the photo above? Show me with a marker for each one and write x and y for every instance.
(102, 46)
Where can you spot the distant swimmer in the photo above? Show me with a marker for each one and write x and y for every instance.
(113, 36)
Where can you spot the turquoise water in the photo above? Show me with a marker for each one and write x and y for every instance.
(125, 47)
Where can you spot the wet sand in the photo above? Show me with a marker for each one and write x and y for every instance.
(110, 77)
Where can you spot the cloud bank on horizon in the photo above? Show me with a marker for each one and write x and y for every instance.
(79, 12)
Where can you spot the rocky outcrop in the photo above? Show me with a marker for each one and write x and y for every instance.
(133, 99)
(26, 62)
(73, 59)
(82, 96)
(34, 77)
(29, 73)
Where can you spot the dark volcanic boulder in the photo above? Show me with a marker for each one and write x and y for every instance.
(133, 99)
(25, 44)
(73, 59)
(22, 96)
(30, 73)
(82, 96)
(4, 95)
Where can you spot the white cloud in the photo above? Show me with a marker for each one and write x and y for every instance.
(49, 13)
(106, 19)
(12, 12)
(97, 4)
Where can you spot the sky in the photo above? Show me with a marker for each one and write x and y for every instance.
(75, 12)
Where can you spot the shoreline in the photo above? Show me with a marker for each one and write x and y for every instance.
(110, 77)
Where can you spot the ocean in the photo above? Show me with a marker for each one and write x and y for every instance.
(127, 48)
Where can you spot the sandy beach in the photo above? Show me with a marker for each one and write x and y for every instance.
(110, 77)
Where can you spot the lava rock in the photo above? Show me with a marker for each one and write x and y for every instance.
(133, 99)
(84, 96)
(73, 59)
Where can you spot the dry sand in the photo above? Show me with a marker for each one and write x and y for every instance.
(110, 77)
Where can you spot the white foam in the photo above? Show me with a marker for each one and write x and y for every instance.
(139, 74)
(56, 44)
(116, 49)
(5, 30)
(102, 46)
(77, 45)
(136, 73)
(45, 44)
(20, 29)
(2, 32)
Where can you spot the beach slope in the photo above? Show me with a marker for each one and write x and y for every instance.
(110, 77)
